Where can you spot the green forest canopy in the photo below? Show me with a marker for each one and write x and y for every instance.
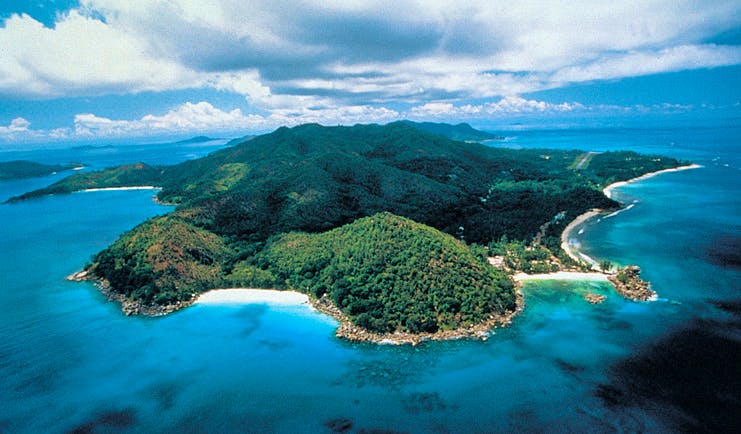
(234, 205)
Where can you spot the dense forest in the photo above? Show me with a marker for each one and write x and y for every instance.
(235, 206)
(386, 273)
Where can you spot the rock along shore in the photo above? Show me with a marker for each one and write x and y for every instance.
(346, 329)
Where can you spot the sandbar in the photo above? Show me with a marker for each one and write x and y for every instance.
(252, 296)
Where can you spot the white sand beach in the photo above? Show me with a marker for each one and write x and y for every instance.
(252, 296)
(140, 187)
(566, 235)
(566, 238)
(608, 190)
(561, 275)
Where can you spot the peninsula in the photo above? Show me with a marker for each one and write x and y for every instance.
(386, 227)
(19, 169)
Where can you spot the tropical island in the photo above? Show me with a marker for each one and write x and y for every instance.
(20, 169)
(391, 229)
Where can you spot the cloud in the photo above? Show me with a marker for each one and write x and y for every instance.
(203, 117)
(198, 117)
(284, 53)
(650, 62)
(80, 56)
(347, 62)
(17, 125)
(512, 105)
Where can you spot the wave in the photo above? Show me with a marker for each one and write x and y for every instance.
(619, 211)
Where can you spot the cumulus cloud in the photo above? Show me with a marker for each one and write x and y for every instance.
(203, 117)
(346, 62)
(194, 117)
(512, 105)
(355, 53)
(80, 56)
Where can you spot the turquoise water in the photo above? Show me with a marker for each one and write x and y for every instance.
(70, 361)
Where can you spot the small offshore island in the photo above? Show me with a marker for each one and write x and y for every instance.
(391, 229)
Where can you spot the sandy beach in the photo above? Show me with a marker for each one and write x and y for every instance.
(140, 187)
(252, 296)
(561, 275)
(608, 190)
(566, 234)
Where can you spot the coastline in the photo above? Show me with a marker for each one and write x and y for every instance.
(607, 191)
(561, 275)
(136, 187)
(251, 296)
(566, 235)
(345, 329)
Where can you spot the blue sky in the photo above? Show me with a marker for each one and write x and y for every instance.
(110, 69)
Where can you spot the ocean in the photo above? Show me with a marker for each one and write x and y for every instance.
(70, 361)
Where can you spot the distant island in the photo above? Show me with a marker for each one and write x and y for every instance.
(389, 228)
(20, 169)
(196, 139)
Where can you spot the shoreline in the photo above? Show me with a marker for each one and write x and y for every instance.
(345, 329)
(136, 187)
(561, 275)
(275, 297)
(607, 191)
(566, 235)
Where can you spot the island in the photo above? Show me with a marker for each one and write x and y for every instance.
(389, 228)
(20, 169)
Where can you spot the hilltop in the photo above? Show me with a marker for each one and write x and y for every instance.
(462, 132)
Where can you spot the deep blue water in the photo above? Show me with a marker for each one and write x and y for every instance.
(69, 360)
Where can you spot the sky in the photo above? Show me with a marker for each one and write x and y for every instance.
(113, 69)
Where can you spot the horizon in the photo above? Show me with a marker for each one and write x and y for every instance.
(109, 70)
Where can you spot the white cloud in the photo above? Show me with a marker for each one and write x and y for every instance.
(650, 62)
(347, 62)
(198, 117)
(203, 117)
(511, 105)
(17, 125)
(18, 130)
(284, 53)
(80, 56)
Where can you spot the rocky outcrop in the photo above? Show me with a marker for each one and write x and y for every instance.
(594, 298)
(629, 284)
(348, 330)
(129, 307)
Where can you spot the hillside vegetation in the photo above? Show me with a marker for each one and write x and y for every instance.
(289, 209)
(389, 273)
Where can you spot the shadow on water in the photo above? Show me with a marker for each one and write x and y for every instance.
(250, 318)
(689, 379)
(106, 422)
(725, 251)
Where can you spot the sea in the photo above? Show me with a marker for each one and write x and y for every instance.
(70, 361)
